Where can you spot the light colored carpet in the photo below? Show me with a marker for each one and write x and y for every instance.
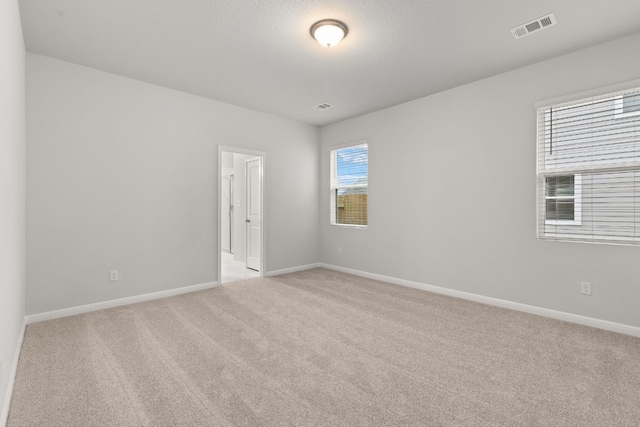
(321, 348)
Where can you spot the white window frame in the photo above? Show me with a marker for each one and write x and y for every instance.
(577, 202)
(333, 186)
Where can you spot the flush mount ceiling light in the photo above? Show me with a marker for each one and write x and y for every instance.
(329, 32)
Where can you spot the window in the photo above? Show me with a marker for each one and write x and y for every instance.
(563, 202)
(349, 185)
(589, 169)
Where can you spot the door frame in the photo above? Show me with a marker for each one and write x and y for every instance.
(263, 235)
(227, 181)
(232, 211)
(247, 197)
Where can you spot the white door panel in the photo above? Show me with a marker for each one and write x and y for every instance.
(254, 220)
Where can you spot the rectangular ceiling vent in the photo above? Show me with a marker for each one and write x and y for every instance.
(322, 106)
(533, 26)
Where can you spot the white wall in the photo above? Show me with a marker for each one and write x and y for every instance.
(123, 175)
(452, 193)
(12, 188)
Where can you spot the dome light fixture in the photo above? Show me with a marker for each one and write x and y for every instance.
(329, 32)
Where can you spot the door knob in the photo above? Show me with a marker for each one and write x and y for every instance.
(248, 220)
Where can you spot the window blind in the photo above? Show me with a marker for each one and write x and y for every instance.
(349, 185)
(589, 169)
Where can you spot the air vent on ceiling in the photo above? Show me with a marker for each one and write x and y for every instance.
(533, 26)
(322, 106)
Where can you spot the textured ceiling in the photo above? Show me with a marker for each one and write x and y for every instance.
(258, 54)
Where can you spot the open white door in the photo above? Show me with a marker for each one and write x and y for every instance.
(254, 220)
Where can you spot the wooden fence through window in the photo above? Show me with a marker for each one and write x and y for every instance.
(352, 209)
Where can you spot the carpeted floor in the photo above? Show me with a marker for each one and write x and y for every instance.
(321, 348)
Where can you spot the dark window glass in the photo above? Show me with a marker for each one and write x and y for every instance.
(560, 202)
(560, 186)
(559, 209)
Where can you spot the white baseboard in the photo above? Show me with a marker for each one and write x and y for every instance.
(293, 269)
(540, 311)
(72, 311)
(545, 312)
(4, 416)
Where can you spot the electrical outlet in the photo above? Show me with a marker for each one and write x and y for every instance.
(113, 276)
(339, 251)
(585, 288)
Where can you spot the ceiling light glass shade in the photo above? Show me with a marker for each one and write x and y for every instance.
(329, 32)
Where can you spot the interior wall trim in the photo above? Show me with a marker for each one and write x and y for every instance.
(72, 311)
(293, 269)
(540, 311)
(4, 416)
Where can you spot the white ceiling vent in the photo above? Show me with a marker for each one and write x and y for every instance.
(533, 26)
(322, 106)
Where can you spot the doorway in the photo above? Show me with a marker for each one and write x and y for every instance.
(241, 240)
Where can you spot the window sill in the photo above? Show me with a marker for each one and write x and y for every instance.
(358, 227)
